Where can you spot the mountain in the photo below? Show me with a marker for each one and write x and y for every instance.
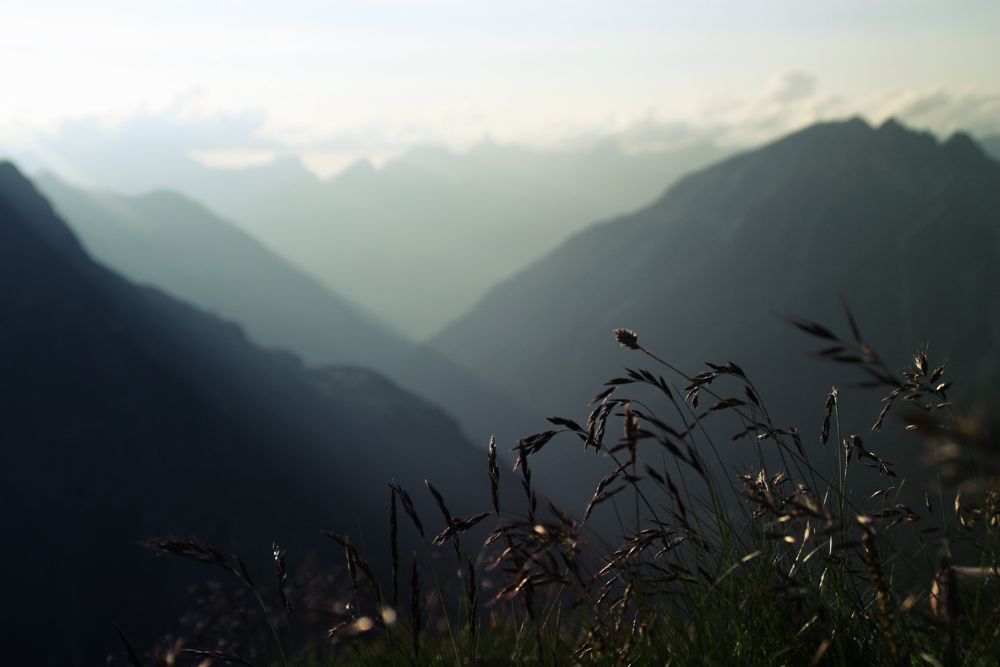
(127, 414)
(902, 227)
(172, 242)
(422, 238)
(417, 240)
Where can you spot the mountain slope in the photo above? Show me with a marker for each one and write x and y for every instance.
(901, 226)
(127, 414)
(167, 240)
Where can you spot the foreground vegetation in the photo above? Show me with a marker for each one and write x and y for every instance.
(797, 562)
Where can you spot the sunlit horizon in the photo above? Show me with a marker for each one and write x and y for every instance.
(239, 83)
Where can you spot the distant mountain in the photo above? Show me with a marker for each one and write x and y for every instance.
(169, 241)
(991, 145)
(126, 414)
(418, 240)
(421, 239)
(905, 228)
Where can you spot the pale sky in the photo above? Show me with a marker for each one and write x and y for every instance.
(331, 79)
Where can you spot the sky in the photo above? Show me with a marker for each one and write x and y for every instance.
(238, 82)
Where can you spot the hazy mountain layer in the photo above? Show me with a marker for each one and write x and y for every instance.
(167, 240)
(127, 414)
(417, 241)
(420, 240)
(904, 228)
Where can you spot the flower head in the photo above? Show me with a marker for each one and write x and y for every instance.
(627, 338)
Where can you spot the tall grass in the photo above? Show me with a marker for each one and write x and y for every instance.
(784, 564)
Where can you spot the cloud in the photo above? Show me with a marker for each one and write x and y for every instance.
(925, 104)
(790, 100)
(794, 99)
(127, 153)
(649, 134)
(149, 149)
(791, 87)
(170, 130)
(945, 112)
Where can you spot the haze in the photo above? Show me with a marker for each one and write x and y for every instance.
(238, 82)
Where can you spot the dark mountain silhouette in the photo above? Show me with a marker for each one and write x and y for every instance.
(905, 228)
(167, 240)
(127, 414)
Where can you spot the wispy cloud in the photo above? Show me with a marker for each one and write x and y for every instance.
(946, 111)
(791, 87)
(794, 99)
(93, 147)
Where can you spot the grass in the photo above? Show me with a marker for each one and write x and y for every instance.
(786, 564)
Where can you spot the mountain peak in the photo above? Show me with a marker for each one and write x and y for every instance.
(829, 133)
(854, 125)
(856, 122)
(892, 125)
(962, 144)
(823, 156)
(360, 168)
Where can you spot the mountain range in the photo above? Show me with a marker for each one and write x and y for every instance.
(902, 227)
(128, 414)
(420, 239)
(417, 240)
